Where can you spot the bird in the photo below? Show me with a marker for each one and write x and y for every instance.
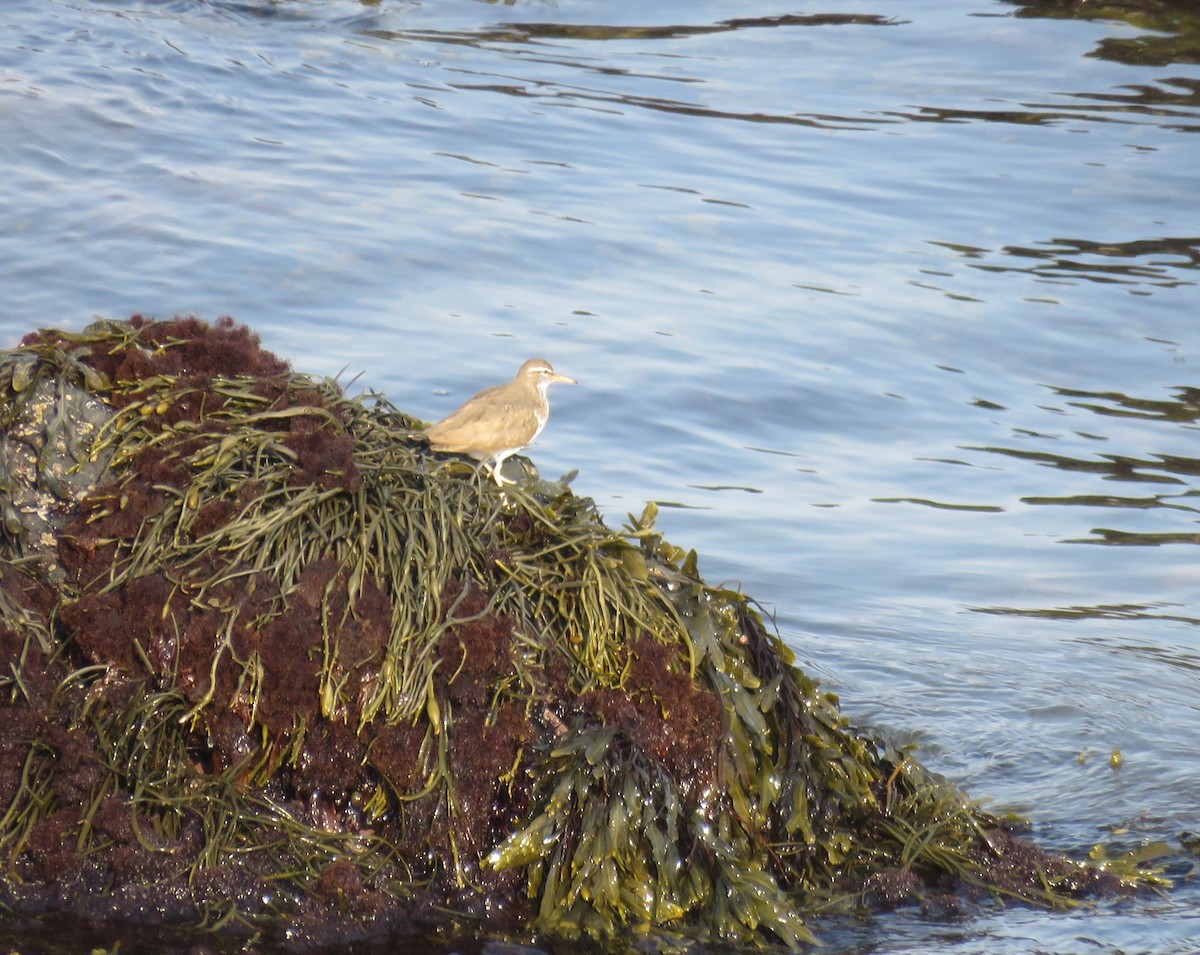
(501, 420)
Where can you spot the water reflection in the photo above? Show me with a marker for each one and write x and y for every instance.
(1184, 408)
(668, 57)
(1155, 262)
(1112, 612)
(1175, 26)
(1147, 104)
(537, 44)
(535, 31)
(1174, 471)
(940, 505)
(1146, 99)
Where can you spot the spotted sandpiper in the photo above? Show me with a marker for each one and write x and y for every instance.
(501, 420)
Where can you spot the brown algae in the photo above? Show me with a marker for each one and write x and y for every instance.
(267, 657)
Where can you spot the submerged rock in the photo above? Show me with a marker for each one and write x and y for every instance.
(269, 659)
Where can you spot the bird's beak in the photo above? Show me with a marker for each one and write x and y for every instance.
(564, 379)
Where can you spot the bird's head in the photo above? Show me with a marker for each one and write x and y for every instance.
(541, 374)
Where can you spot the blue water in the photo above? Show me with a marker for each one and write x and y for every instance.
(892, 308)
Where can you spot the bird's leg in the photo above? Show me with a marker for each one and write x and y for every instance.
(497, 464)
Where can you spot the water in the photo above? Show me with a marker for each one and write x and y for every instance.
(893, 308)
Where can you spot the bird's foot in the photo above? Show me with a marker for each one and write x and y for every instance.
(500, 479)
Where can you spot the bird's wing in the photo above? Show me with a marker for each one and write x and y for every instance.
(464, 429)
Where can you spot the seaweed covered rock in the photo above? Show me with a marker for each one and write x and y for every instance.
(282, 662)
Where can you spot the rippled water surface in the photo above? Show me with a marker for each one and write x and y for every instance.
(892, 307)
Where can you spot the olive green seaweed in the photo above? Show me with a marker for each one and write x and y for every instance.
(796, 814)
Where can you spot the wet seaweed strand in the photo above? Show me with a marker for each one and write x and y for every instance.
(299, 638)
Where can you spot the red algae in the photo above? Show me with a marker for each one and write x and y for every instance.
(188, 349)
(285, 632)
(670, 717)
